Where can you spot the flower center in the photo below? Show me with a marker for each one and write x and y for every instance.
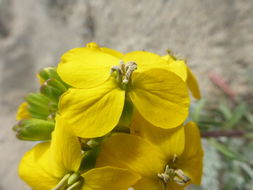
(123, 72)
(173, 174)
(71, 181)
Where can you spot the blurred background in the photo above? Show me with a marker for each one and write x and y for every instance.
(215, 36)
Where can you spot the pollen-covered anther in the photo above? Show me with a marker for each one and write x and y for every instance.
(124, 71)
(129, 68)
(165, 177)
(180, 178)
(173, 175)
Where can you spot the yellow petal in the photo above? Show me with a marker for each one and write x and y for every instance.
(85, 187)
(86, 67)
(23, 111)
(35, 170)
(168, 57)
(146, 183)
(179, 68)
(93, 112)
(161, 97)
(182, 70)
(65, 149)
(170, 141)
(174, 186)
(191, 161)
(112, 52)
(145, 60)
(109, 178)
(132, 152)
(105, 50)
(193, 84)
(93, 45)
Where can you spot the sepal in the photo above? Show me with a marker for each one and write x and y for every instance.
(34, 129)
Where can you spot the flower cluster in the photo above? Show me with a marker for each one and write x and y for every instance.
(107, 120)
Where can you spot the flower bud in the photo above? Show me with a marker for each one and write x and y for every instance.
(34, 129)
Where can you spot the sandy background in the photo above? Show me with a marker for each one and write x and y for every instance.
(213, 35)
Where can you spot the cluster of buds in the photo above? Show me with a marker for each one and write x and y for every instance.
(107, 120)
(36, 116)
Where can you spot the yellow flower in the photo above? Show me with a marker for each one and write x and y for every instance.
(166, 159)
(55, 166)
(105, 80)
(23, 112)
(180, 68)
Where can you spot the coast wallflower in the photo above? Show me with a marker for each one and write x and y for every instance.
(165, 159)
(104, 81)
(55, 166)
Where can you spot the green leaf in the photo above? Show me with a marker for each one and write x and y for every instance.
(225, 111)
(237, 115)
(225, 150)
(249, 117)
(197, 110)
(210, 122)
(247, 169)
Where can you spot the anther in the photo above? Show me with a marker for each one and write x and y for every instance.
(165, 177)
(130, 68)
(115, 68)
(172, 174)
(180, 178)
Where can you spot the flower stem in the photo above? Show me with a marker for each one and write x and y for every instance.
(216, 134)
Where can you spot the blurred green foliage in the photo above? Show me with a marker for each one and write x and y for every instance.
(227, 130)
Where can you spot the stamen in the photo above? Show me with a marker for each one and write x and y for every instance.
(122, 66)
(71, 181)
(174, 159)
(62, 183)
(73, 178)
(75, 186)
(124, 71)
(173, 174)
(165, 177)
(130, 68)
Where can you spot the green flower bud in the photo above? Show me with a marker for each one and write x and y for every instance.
(40, 106)
(54, 83)
(50, 92)
(34, 129)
